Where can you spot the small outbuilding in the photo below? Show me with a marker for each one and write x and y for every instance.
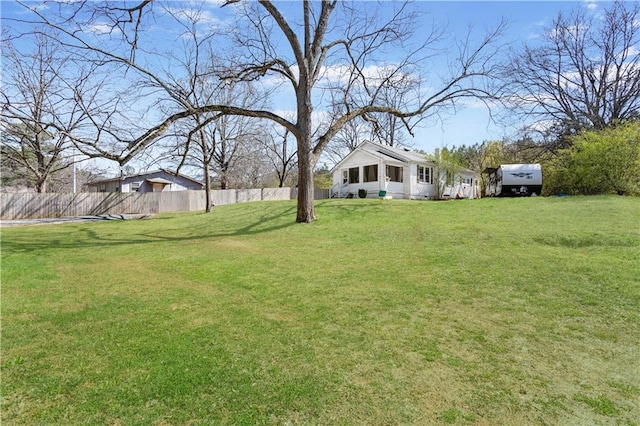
(376, 170)
(155, 181)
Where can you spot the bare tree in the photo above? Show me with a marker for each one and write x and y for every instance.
(352, 45)
(252, 168)
(347, 139)
(356, 40)
(108, 36)
(583, 72)
(304, 46)
(41, 90)
(210, 140)
(215, 142)
(280, 153)
(395, 89)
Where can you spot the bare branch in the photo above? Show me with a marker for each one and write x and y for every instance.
(585, 73)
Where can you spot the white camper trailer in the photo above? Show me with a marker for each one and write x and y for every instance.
(511, 180)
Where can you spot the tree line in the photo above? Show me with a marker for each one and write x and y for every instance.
(581, 85)
(594, 161)
(90, 80)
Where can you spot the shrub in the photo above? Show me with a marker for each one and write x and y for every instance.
(598, 162)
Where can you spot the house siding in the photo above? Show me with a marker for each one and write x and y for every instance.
(178, 183)
(368, 153)
(359, 159)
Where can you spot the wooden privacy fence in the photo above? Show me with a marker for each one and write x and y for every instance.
(39, 206)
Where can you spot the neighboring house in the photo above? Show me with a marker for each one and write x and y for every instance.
(398, 173)
(156, 181)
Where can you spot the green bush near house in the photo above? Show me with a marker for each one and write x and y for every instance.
(492, 311)
(598, 162)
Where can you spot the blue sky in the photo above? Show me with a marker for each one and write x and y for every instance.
(472, 124)
(526, 20)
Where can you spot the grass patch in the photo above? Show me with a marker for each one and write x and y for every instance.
(493, 311)
(600, 405)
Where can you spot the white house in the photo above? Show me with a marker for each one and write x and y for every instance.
(155, 181)
(394, 172)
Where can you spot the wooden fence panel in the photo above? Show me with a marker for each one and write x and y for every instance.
(273, 194)
(318, 194)
(247, 195)
(220, 197)
(38, 206)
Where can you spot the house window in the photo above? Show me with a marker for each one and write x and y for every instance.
(394, 173)
(370, 173)
(354, 175)
(102, 188)
(424, 174)
(135, 186)
(345, 177)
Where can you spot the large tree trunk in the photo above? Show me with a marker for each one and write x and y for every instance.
(42, 173)
(207, 187)
(41, 186)
(306, 212)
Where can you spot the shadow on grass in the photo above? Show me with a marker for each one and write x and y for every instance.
(348, 207)
(84, 236)
(588, 240)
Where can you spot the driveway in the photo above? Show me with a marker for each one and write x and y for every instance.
(56, 220)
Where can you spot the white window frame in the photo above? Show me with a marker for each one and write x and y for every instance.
(425, 174)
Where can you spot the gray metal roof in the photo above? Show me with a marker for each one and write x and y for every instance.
(143, 176)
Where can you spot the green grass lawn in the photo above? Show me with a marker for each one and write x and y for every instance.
(493, 311)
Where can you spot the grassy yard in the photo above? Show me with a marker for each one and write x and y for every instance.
(493, 311)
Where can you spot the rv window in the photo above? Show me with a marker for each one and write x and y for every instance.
(370, 173)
